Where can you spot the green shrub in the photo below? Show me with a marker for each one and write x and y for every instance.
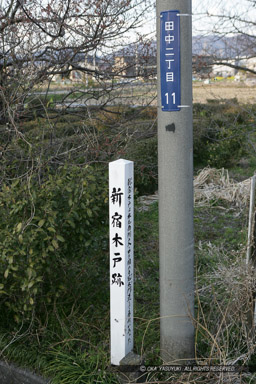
(219, 134)
(220, 147)
(144, 155)
(228, 147)
(43, 230)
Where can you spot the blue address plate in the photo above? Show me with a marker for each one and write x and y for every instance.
(170, 60)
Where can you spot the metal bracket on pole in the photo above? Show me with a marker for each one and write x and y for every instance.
(182, 14)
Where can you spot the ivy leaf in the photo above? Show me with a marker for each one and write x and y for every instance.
(89, 212)
(41, 223)
(71, 223)
(60, 238)
(10, 259)
(55, 244)
(29, 272)
(31, 284)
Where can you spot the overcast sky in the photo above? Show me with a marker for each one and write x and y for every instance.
(203, 24)
(242, 9)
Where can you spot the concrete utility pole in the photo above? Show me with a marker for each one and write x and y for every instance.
(175, 165)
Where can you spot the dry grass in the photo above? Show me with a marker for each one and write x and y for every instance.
(212, 185)
(224, 335)
(225, 291)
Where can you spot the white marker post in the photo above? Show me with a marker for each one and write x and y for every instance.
(121, 258)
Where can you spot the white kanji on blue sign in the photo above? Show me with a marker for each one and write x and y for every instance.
(170, 60)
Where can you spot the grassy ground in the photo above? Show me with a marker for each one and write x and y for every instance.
(72, 345)
(70, 341)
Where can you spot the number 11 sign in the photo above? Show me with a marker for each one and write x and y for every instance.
(170, 60)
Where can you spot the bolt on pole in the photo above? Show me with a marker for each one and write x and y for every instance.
(175, 167)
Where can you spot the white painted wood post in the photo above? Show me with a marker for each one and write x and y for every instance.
(121, 219)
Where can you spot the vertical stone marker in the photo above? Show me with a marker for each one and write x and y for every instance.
(121, 219)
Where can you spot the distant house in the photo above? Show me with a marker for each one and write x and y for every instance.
(249, 63)
(223, 70)
(136, 61)
(234, 67)
(222, 55)
(139, 60)
(125, 65)
(81, 68)
(69, 64)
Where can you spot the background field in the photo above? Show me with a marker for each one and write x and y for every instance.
(245, 94)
